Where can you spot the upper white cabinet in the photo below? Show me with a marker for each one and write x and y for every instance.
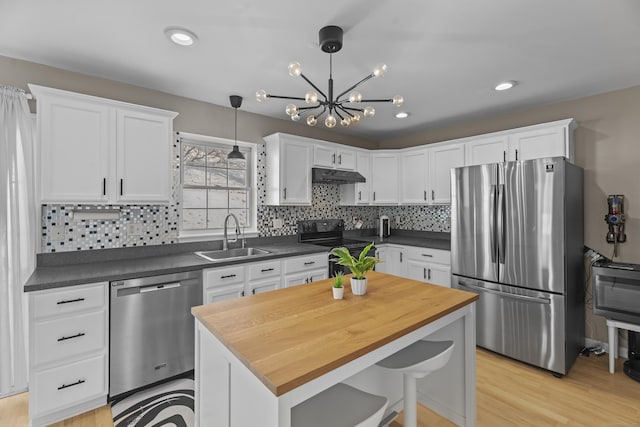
(414, 176)
(96, 150)
(288, 170)
(384, 177)
(359, 193)
(532, 142)
(334, 156)
(441, 160)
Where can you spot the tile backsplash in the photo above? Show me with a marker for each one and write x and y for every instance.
(141, 225)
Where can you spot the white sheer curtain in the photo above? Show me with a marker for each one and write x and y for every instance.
(18, 215)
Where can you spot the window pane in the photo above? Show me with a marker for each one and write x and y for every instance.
(237, 178)
(217, 177)
(217, 157)
(194, 175)
(215, 218)
(242, 216)
(194, 219)
(238, 163)
(192, 154)
(238, 199)
(218, 199)
(194, 198)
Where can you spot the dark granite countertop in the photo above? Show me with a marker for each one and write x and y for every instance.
(55, 270)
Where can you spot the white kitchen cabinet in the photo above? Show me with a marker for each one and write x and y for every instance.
(263, 276)
(96, 150)
(288, 170)
(359, 193)
(68, 361)
(429, 265)
(384, 178)
(441, 160)
(393, 260)
(305, 269)
(485, 150)
(334, 156)
(414, 176)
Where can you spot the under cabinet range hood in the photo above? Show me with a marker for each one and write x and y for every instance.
(335, 176)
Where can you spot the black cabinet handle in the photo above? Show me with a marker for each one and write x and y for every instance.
(253, 291)
(63, 386)
(285, 193)
(429, 274)
(70, 337)
(69, 301)
(264, 270)
(374, 196)
(516, 154)
(104, 186)
(242, 293)
(424, 274)
(433, 194)
(309, 262)
(340, 159)
(425, 194)
(359, 195)
(428, 255)
(504, 156)
(333, 158)
(121, 186)
(400, 256)
(228, 276)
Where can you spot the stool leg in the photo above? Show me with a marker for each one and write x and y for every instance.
(410, 402)
(612, 348)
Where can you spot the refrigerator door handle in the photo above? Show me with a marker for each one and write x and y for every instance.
(492, 230)
(504, 294)
(501, 220)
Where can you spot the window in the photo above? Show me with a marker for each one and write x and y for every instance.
(214, 186)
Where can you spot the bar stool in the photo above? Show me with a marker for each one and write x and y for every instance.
(340, 406)
(414, 362)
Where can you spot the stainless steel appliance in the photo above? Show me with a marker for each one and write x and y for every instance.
(517, 240)
(152, 330)
(329, 233)
(385, 227)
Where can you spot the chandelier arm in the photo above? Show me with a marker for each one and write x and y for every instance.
(338, 113)
(377, 100)
(313, 86)
(355, 85)
(353, 109)
(297, 98)
(309, 108)
(343, 110)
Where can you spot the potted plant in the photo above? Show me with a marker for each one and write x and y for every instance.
(359, 267)
(338, 288)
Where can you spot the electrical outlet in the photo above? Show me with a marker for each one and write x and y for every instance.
(135, 229)
(57, 232)
(278, 223)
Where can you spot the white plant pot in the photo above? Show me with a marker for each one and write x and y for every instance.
(358, 286)
(338, 293)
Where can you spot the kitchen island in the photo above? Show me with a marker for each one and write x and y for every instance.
(259, 356)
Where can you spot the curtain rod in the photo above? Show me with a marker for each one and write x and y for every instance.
(29, 96)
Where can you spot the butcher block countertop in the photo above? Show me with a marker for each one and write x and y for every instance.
(291, 336)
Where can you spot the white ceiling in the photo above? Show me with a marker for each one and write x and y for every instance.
(443, 56)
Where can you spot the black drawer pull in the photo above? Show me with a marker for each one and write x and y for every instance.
(227, 276)
(63, 386)
(264, 270)
(68, 301)
(428, 255)
(309, 262)
(81, 334)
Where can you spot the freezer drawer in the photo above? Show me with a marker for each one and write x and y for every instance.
(526, 325)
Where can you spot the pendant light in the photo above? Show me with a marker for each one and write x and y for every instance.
(236, 102)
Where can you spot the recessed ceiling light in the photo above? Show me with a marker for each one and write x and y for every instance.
(180, 36)
(506, 85)
(402, 115)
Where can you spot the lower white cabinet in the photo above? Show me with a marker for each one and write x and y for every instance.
(424, 264)
(393, 260)
(69, 357)
(305, 269)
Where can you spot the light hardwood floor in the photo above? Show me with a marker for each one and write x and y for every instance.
(509, 394)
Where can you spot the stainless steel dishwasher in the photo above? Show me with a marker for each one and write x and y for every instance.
(152, 329)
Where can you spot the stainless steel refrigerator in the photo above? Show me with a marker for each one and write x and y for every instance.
(517, 241)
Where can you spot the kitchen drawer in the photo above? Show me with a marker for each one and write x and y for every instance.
(305, 263)
(57, 388)
(73, 299)
(215, 277)
(66, 337)
(264, 269)
(429, 255)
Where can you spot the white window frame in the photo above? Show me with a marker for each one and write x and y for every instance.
(199, 235)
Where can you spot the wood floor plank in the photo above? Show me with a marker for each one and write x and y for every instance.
(509, 394)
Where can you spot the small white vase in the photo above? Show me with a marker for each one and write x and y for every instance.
(338, 293)
(358, 286)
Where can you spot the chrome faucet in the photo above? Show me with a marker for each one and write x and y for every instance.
(225, 242)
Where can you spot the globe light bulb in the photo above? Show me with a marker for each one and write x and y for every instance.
(398, 100)
(311, 120)
(345, 122)
(311, 97)
(379, 70)
(369, 112)
(291, 110)
(355, 97)
(295, 69)
(330, 121)
(295, 117)
(261, 96)
(355, 118)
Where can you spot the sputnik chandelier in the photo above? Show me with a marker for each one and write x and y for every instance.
(345, 108)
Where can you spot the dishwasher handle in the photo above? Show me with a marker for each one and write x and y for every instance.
(161, 287)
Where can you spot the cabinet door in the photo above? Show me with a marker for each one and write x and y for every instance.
(442, 160)
(487, 150)
(384, 182)
(75, 139)
(295, 279)
(394, 261)
(414, 176)
(144, 157)
(363, 189)
(436, 274)
(324, 156)
(537, 144)
(223, 293)
(295, 173)
(316, 275)
(346, 159)
(384, 266)
(417, 270)
(260, 286)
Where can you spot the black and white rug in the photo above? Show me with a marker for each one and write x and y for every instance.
(166, 405)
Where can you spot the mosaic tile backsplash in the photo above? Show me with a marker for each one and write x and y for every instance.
(140, 225)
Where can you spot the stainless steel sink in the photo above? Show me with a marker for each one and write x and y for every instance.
(231, 253)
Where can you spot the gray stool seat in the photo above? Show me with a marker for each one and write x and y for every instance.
(340, 406)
